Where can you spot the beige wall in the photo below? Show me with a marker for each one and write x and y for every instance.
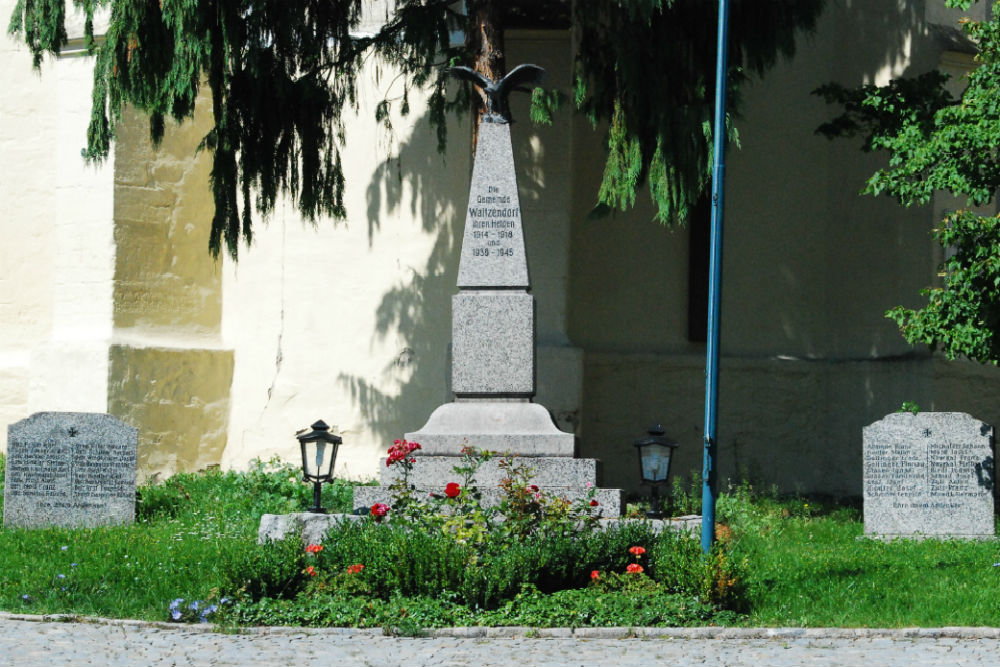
(57, 254)
(809, 270)
(169, 373)
(110, 301)
(350, 321)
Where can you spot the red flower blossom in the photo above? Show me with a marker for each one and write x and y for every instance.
(379, 510)
(400, 450)
(311, 571)
(595, 575)
(594, 503)
(637, 551)
(452, 489)
(534, 488)
(355, 569)
(634, 568)
(314, 548)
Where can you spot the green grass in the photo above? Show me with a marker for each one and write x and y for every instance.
(817, 572)
(185, 533)
(796, 562)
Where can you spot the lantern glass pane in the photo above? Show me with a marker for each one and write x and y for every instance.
(320, 451)
(655, 462)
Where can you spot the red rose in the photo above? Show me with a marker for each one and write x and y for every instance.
(379, 510)
(534, 488)
(637, 551)
(594, 503)
(452, 489)
(634, 568)
(399, 451)
(355, 569)
(311, 571)
(314, 548)
(595, 575)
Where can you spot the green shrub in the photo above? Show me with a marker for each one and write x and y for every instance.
(397, 560)
(271, 570)
(585, 607)
(266, 488)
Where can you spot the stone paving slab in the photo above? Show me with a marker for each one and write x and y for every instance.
(64, 640)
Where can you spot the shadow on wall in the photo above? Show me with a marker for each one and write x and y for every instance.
(810, 268)
(417, 311)
(435, 190)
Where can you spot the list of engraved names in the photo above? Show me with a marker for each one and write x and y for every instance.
(922, 474)
(83, 474)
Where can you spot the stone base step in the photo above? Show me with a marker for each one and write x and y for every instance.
(313, 527)
(498, 426)
(609, 500)
(546, 471)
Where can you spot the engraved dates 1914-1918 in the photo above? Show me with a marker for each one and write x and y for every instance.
(493, 221)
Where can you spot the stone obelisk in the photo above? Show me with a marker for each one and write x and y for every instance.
(493, 343)
(493, 314)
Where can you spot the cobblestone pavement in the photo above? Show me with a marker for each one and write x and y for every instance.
(30, 642)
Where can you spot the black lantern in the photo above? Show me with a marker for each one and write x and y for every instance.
(319, 453)
(655, 451)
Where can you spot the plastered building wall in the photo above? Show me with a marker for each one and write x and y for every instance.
(57, 255)
(169, 371)
(110, 301)
(350, 321)
(810, 268)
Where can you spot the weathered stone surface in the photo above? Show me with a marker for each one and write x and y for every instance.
(517, 427)
(493, 245)
(74, 469)
(313, 527)
(609, 500)
(546, 471)
(493, 343)
(929, 474)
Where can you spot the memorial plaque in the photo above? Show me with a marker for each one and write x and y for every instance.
(73, 469)
(493, 244)
(928, 474)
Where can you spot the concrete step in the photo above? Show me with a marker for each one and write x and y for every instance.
(499, 426)
(313, 527)
(546, 471)
(609, 500)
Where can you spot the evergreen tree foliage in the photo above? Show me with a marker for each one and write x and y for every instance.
(646, 68)
(937, 143)
(283, 74)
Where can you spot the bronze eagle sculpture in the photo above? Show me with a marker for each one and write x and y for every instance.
(497, 91)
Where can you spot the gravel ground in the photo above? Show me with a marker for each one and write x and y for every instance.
(37, 640)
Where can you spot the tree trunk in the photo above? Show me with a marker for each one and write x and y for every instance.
(484, 40)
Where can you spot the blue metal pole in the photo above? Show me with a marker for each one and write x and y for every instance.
(709, 475)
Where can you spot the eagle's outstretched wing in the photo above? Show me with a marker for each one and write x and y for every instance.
(520, 75)
(469, 74)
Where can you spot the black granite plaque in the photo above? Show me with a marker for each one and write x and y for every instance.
(70, 469)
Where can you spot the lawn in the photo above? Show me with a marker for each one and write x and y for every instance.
(192, 555)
